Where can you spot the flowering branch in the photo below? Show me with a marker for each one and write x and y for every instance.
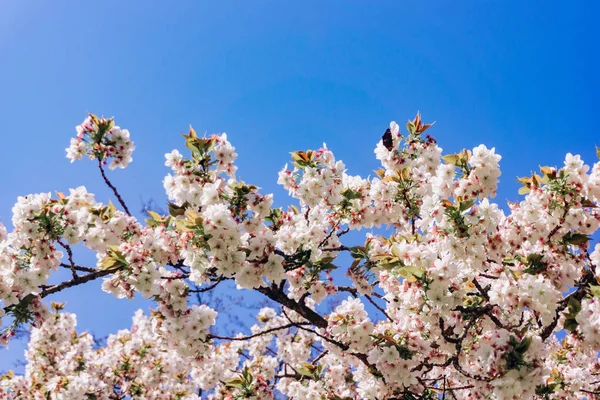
(472, 295)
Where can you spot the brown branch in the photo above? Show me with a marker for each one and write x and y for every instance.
(113, 188)
(561, 221)
(293, 376)
(458, 367)
(362, 357)
(76, 281)
(333, 228)
(206, 289)
(340, 248)
(323, 354)
(589, 391)
(78, 268)
(578, 294)
(452, 388)
(379, 307)
(489, 276)
(290, 325)
(355, 293)
(184, 276)
(275, 294)
(327, 339)
(69, 256)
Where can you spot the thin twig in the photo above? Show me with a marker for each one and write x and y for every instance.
(69, 256)
(290, 325)
(379, 307)
(114, 189)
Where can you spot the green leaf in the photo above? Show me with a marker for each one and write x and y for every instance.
(450, 158)
(597, 151)
(304, 371)
(109, 124)
(191, 144)
(409, 270)
(465, 205)
(183, 226)
(524, 190)
(588, 203)
(410, 127)
(209, 144)
(524, 345)
(154, 215)
(534, 263)
(114, 259)
(302, 159)
(176, 210)
(235, 383)
(350, 194)
(550, 172)
(545, 390)
(570, 324)
(247, 375)
(595, 290)
(328, 267)
(508, 261)
(389, 265)
(516, 274)
(25, 301)
(574, 306)
(109, 264)
(576, 239)
(513, 341)
(534, 258)
(358, 252)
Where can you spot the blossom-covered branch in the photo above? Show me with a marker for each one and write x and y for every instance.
(459, 298)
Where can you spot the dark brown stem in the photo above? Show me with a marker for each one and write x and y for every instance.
(323, 354)
(355, 293)
(76, 281)
(377, 306)
(78, 268)
(340, 248)
(206, 289)
(113, 188)
(561, 221)
(362, 357)
(69, 256)
(290, 325)
(333, 228)
(577, 294)
(275, 294)
(589, 391)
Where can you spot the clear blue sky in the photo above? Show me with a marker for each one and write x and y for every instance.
(280, 76)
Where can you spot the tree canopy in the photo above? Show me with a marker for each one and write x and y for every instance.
(453, 298)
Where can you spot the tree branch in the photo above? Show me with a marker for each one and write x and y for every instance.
(76, 281)
(290, 325)
(280, 297)
(114, 189)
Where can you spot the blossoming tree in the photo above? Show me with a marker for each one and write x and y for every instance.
(460, 301)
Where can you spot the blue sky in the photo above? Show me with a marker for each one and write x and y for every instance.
(279, 76)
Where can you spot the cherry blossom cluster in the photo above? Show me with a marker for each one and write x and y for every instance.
(100, 139)
(455, 297)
